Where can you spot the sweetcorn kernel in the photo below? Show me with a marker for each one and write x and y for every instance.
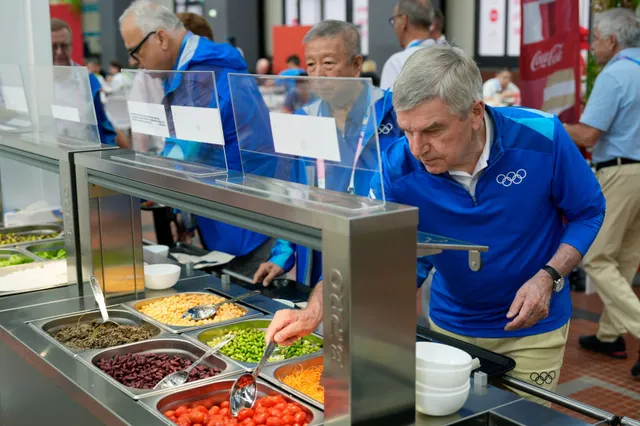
(169, 310)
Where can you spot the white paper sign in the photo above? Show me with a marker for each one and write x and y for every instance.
(492, 27)
(148, 119)
(198, 124)
(514, 28)
(7, 128)
(314, 137)
(14, 98)
(61, 112)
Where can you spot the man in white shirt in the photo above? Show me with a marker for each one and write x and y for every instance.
(411, 22)
(501, 91)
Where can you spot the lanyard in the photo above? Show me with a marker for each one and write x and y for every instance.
(637, 62)
(322, 182)
(415, 43)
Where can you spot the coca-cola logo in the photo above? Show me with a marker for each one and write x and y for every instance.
(542, 60)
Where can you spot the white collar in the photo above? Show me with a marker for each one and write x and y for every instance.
(483, 161)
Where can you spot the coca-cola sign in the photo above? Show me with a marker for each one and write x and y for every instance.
(547, 59)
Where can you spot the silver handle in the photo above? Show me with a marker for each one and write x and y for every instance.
(572, 404)
(210, 352)
(626, 421)
(267, 353)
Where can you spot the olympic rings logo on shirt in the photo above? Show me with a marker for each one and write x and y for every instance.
(385, 128)
(543, 377)
(510, 178)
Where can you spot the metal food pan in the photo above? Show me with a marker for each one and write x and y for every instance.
(135, 306)
(273, 373)
(50, 326)
(217, 392)
(203, 336)
(174, 345)
(40, 230)
(50, 245)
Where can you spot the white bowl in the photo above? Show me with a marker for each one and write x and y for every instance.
(443, 379)
(155, 253)
(441, 403)
(161, 276)
(437, 355)
(426, 388)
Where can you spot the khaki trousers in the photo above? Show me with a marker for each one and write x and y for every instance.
(538, 358)
(612, 260)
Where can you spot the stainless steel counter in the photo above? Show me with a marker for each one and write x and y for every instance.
(42, 383)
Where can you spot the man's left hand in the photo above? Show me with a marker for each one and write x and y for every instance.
(531, 303)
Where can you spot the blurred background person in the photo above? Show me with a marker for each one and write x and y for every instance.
(300, 96)
(234, 42)
(500, 90)
(196, 24)
(115, 89)
(437, 27)
(369, 70)
(411, 21)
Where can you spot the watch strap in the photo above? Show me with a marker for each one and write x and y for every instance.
(555, 275)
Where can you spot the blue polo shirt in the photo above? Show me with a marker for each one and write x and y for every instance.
(614, 108)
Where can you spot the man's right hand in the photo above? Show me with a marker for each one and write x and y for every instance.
(266, 273)
(289, 325)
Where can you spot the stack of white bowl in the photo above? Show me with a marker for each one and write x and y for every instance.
(442, 378)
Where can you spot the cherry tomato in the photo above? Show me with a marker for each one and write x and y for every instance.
(173, 419)
(260, 410)
(214, 410)
(260, 418)
(216, 421)
(294, 407)
(281, 406)
(274, 421)
(288, 420)
(300, 417)
(184, 422)
(196, 416)
(274, 412)
(270, 401)
(224, 412)
(198, 424)
(224, 404)
(280, 399)
(249, 422)
(181, 410)
(202, 409)
(246, 413)
(169, 413)
(297, 424)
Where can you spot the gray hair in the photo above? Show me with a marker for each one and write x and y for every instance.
(419, 13)
(438, 72)
(331, 28)
(621, 23)
(150, 16)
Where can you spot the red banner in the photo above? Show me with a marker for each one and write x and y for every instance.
(550, 57)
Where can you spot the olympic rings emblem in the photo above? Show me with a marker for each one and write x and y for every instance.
(510, 178)
(543, 377)
(385, 129)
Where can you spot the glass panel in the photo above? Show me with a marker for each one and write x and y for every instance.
(424, 238)
(176, 125)
(64, 112)
(14, 108)
(323, 135)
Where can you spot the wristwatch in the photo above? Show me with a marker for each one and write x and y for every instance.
(558, 279)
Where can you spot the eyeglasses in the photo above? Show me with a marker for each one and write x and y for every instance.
(392, 20)
(136, 49)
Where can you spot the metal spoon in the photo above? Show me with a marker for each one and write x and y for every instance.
(99, 296)
(181, 377)
(244, 391)
(201, 312)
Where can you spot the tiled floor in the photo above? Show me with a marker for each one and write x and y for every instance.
(595, 379)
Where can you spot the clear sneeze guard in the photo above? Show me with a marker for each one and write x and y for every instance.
(323, 135)
(14, 108)
(64, 112)
(176, 124)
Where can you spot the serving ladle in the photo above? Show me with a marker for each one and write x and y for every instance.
(99, 296)
(180, 377)
(201, 312)
(244, 391)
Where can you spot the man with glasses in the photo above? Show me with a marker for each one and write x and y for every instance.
(61, 49)
(157, 40)
(411, 21)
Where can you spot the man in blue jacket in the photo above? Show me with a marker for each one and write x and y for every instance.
(504, 177)
(157, 40)
(332, 49)
(61, 50)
